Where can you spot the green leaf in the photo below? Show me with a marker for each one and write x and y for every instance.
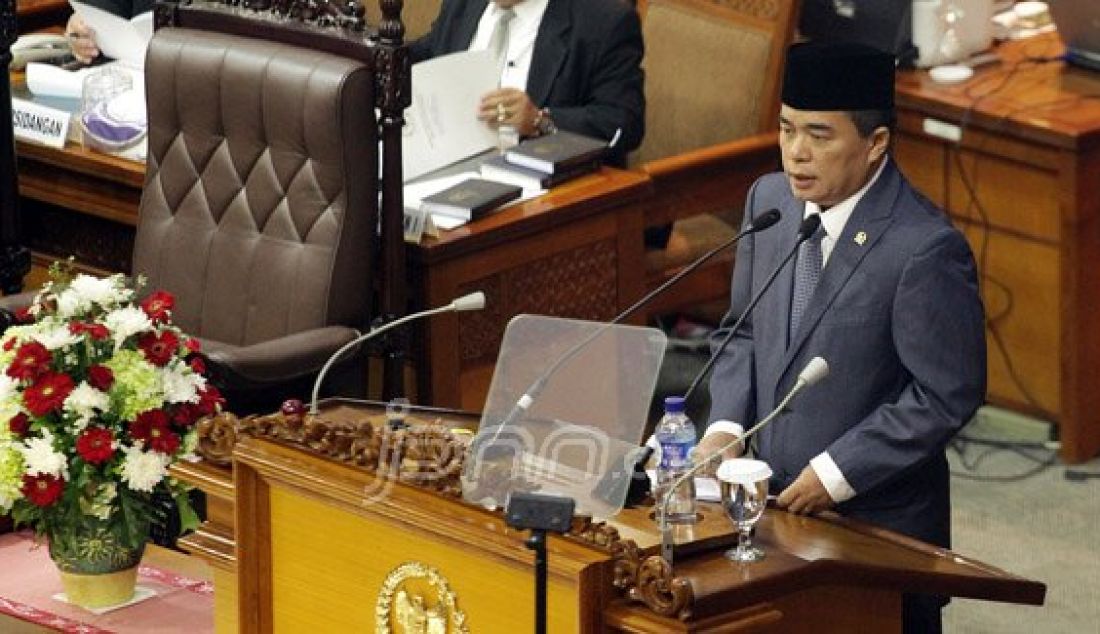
(189, 519)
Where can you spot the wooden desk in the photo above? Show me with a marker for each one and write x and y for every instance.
(574, 252)
(323, 528)
(1022, 183)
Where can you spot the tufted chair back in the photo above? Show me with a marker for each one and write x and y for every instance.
(260, 198)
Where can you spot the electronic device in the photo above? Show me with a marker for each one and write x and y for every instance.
(919, 32)
(39, 47)
(1079, 26)
(883, 24)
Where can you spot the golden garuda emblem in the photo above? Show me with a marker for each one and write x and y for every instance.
(416, 599)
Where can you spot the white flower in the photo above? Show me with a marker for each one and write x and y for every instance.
(84, 400)
(105, 291)
(181, 387)
(56, 337)
(142, 470)
(125, 322)
(70, 304)
(40, 457)
(8, 387)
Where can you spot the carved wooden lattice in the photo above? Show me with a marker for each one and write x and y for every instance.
(763, 9)
(581, 283)
(426, 455)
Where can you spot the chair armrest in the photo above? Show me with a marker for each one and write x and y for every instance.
(279, 360)
(752, 150)
(11, 303)
(714, 179)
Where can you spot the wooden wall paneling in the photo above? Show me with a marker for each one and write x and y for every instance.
(1079, 263)
(1022, 299)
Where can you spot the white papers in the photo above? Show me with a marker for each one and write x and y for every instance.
(51, 81)
(117, 37)
(441, 125)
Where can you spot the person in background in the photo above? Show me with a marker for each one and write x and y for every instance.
(886, 291)
(83, 39)
(568, 64)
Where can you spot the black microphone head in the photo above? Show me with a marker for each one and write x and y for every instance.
(765, 220)
(809, 226)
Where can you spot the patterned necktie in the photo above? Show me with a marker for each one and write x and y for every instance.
(806, 274)
(498, 41)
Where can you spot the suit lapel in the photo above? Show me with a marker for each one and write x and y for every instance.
(551, 48)
(871, 217)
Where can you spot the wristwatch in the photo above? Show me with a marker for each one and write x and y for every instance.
(544, 123)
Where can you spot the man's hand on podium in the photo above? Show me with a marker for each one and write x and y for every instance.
(806, 495)
(509, 106)
(711, 443)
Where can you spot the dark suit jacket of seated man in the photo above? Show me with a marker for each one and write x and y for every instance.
(585, 66)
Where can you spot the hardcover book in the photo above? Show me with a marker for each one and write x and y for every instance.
(470, 199)
(499, 169)
(556, 152)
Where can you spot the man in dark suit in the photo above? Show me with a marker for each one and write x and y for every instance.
(570, 64)
(886, 292)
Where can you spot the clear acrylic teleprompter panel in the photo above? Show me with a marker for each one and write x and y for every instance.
(590, 385)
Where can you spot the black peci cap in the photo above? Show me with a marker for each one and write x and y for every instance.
(838, 76)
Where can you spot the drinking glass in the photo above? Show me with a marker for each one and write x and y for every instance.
(744, 485)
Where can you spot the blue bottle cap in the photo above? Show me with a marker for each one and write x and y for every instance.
(674, 404)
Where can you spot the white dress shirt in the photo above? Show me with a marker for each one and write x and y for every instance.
(521, 39)
(833, 220)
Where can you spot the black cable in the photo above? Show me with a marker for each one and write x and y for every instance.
(1076, 475)
(984, 225)
(995, 446)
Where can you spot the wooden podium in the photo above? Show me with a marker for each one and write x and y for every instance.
(307, 531)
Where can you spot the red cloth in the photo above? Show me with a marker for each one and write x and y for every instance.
(29, 580)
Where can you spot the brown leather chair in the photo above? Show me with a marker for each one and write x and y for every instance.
(260, 202)
(712, 101)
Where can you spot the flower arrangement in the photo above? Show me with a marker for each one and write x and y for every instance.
(99, 394)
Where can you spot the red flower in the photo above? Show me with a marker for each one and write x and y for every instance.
(198, 365)
(23, 315)
(158, 305)
(159, 349)
(95, 331)
(42, 490)
(192, 344)
(209, 400)
(31, 360)
(101, 377)
(9, 344)
(185, 415)
(94, 445)
(19, 424)
(48, 393)
(152, 427)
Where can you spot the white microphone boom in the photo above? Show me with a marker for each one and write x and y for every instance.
(812, 373)
(471, 301)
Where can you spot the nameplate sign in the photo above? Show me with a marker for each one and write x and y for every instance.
(39, 124)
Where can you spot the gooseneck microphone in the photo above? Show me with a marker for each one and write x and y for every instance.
(809, 227)
(472, 301)
(812, 373)
(760, 223)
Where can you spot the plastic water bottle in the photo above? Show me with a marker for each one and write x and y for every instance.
(676, 435)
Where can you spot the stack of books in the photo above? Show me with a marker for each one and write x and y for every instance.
(546, 161)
